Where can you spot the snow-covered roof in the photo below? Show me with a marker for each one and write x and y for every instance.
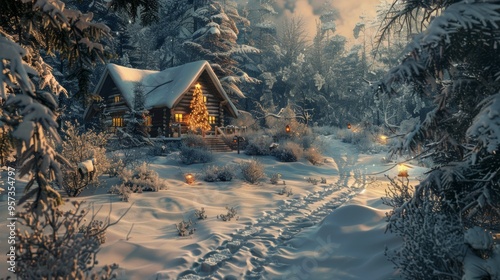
(161, 88)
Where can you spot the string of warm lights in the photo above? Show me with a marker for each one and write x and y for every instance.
(198, 119)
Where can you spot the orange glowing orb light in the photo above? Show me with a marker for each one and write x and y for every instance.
(348, 125)
(189, 178)
(287, 128)
(383, 139)
(403, 170)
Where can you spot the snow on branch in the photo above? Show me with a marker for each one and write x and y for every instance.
(486, 125)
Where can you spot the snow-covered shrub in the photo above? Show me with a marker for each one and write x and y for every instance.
(123, 191)
(185, 228)
(231, 213)
(190, 155)
(142, 178)
(116, 164)
(193, 140)
(313, 156)
(210, 173)
(307, 141)
(288, 152)
(275, 178)
(277, 123)
(78, 147)
(258, 145)
(313, 181)
(226, 173)
(286, 190)
(432, 238)
(59, 244)
(252, 170)
(214, 173)
(200, 214)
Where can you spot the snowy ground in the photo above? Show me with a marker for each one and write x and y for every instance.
(332, 230)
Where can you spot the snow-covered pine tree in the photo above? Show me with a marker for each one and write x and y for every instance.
(198, 118)
(30, 112)
(456, 63)
(136, 119)
(214, 38)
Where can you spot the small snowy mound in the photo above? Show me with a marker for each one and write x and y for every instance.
(348, 244)
(350, 215)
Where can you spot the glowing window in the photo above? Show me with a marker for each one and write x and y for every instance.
(148, 121)
(211, 119)
(178, 117)
(205, 99)
(118, 99)
(118, 121)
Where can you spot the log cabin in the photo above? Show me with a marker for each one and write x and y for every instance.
(167, 96)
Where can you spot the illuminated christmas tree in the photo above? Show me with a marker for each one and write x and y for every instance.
(198, 120)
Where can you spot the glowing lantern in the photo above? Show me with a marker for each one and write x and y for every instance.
(348, 125)
(383, 139)
(287, 128)
(189, 178)
(403, 171)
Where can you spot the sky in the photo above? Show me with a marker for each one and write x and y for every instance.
(349, 12)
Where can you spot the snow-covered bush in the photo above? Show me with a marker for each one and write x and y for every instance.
(288, 152)
(286, 190)
(226, 173)
(116, 164)
(214, 173)
(193, 140)
(231, 213)
(190, 155)
(252, 171)
(122, 190)
(78, 147)
(200, 214)
(431, 236)
(275, 178)
(210, 173)
(258, 145)
(277, 123)
(142, 178)
(185, 228)
(194, 150)
(313, 156)
(60, 244)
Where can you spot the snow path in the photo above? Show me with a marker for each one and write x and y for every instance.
(259, 243)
